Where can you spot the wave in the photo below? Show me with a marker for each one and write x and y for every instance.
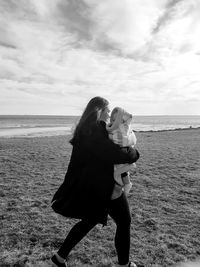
(34, 132)
(168, 130)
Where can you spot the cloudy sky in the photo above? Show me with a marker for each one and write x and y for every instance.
(142, 55)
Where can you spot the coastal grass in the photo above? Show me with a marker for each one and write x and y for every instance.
(164, 201)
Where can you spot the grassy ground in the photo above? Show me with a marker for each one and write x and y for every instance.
(165, 203)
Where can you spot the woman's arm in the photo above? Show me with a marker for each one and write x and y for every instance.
(102, 147)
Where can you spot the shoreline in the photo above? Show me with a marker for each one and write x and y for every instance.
(170, 130)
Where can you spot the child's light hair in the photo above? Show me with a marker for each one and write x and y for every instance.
(114, 111)
(122, 116)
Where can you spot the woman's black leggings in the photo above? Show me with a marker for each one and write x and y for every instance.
(120, 213)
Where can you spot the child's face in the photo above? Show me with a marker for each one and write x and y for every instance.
(127, 117)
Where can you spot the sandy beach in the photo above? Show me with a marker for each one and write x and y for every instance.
(164, 200)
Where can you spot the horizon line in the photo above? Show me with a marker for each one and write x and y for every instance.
(73, 115)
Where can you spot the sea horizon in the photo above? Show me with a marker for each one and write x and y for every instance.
(73, 115)
(48, 125)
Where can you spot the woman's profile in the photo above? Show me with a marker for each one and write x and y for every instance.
(86, 191)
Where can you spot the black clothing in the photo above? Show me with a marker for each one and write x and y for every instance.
(119, 211)
(56, 262)
(89, 182)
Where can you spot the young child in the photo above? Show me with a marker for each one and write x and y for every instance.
(120, 132)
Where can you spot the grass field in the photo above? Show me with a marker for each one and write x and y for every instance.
(164, 201)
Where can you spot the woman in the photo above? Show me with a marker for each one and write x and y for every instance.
(88, 185)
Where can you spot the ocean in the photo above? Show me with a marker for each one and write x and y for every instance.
(43, 125)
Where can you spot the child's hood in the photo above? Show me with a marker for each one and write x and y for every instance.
(121, 114)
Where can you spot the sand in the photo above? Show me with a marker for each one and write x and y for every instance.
(164, 201)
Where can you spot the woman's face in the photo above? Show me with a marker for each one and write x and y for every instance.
(104, 115)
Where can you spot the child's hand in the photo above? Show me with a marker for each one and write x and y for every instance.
(132, 167)
(127, 188)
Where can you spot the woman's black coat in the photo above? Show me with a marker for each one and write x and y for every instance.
(88, 184)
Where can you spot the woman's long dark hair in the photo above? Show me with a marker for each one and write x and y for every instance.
(89, 117)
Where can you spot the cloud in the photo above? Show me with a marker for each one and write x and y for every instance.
(167, 14)
(7, 45)
(76, 18)
(133, 29)
(110, 26)
(29, 10)
(179, 24)
(62, 52)
(124, 26)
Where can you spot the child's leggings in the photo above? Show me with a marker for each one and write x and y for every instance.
(119, 211)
